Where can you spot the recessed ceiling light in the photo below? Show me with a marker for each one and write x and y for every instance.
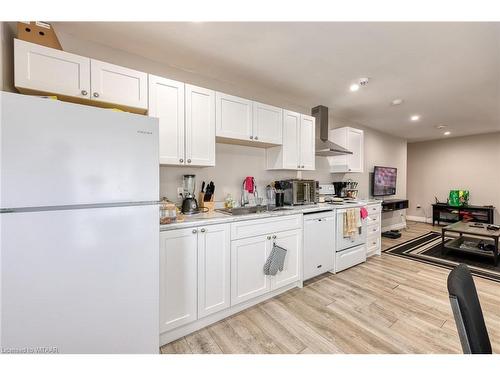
(415, 117)
(440, 126)
(354, 87)
(397, 102)
(447, 133)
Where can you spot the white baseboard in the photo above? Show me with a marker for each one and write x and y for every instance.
(420, 219)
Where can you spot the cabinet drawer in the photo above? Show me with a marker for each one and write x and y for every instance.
(373, 219)
(374, 209)
(251, 228)
(373, 230)
(372, 244)
(350, 257)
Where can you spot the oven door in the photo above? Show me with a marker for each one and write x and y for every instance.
(301, 193)
(348, 242)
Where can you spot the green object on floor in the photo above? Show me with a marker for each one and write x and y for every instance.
(458, 198)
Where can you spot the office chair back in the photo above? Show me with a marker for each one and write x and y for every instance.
(467, 312)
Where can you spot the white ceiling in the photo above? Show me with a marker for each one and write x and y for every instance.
(448, 73)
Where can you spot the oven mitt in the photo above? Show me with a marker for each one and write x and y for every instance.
(276, 261)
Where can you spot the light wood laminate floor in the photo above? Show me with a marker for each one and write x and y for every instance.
(386, 305)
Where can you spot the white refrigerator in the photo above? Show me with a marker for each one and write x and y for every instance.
(79, 228)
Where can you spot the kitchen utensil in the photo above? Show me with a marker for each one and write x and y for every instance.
(203, 187)
(189, 203)
(209, 191)
(280, 199)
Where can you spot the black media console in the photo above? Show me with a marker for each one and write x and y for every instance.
(393, 205)
(443, 212)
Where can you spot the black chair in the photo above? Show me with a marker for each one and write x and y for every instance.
(467, 312)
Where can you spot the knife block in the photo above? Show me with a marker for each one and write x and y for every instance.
(208, 205)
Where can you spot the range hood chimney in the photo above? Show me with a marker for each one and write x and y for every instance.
(325, 147)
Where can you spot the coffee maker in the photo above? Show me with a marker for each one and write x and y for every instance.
(189, 203)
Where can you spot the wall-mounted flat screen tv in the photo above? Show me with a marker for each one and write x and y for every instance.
(384, 181)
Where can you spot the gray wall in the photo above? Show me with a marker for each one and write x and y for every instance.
(436, 167)
(233, 163)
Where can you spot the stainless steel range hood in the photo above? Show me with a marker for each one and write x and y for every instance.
(325, 147)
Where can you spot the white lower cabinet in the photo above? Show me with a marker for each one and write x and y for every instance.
(178, 279)
(214, 269)
(291, 241)
(194, 274)
(373, 230)
(248, 257)
(249, 254)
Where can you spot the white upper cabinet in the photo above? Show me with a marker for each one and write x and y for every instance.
(117, 84)
(233, 117)
(51, 71)
(200, 126)
(307, 143)
(298, 149)
(353, 140)
(187, 122)
(267, 124)
(40, 69)
(291, 140)
(166, 101)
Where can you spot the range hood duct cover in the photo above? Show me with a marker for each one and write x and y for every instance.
(325, 147)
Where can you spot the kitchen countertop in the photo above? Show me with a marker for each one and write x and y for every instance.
(219, 217)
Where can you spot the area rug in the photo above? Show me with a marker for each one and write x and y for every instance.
(427, 249)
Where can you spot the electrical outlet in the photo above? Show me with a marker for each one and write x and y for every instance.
(180, 191)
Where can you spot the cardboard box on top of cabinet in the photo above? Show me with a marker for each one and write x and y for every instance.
(38, 32)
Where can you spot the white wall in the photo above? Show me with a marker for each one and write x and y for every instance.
(436, 167)
(233, 163)
(6, 57)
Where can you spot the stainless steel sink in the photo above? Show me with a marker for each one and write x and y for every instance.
(251, 210)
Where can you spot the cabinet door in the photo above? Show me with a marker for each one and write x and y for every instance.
(166, 101)
(51, 71)
(291, 139)
(178, 278)
(267, 124)
(307, 143)
(214, 269)
(200, 126)
(116, 84)
(248, 257)
(292, 242)
(233, 117)
(355, 143)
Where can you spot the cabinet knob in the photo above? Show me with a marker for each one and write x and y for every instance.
(84, 92)
(274, 237)
(181, 160)
(251, 137)
(302, 167)
(350, 169)
(189, 160)
(195, 231)
(96, 94)
(298, 166)
(256, 138)
(203, 230)
(268, 237)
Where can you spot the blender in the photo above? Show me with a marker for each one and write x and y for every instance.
(189, 203)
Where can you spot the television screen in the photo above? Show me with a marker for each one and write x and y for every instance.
(384, 181)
